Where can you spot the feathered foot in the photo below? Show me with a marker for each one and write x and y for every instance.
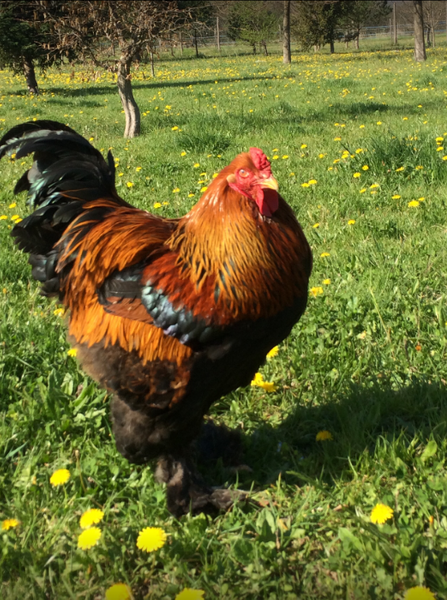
(186, 490)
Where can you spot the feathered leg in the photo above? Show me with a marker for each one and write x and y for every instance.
(186, 490)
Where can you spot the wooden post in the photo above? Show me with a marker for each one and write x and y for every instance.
(394, 24)
(181, 43)
(217, 34)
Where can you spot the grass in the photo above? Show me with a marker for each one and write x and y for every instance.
(367, 362)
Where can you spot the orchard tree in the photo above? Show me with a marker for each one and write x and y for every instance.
(358, 13)
(315, 23)
(112, 35)
(22, 41)
(253, 23)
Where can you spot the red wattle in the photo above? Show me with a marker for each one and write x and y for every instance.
(267, 201)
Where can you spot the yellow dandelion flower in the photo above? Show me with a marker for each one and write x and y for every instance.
(157, 205)
(273, 352)
(413, 204)
(361, 126)
(337, 139)
(3, 217)
(196, 165)
(303, 145)
(9, 524)
(362, 191)
(304, 185)
(443, 158)
(14, 217)
(316, 291)
(258, 381)
(285, 156)
(351, 221)
(119, 591)
(439, 149)
(60, 477)
(421, 199)
(316, 225)
(174, 128)
(324, 254)
(381, 513)
(72, 352)
(176, 190)
(323, 436)
(129, 184)
(89, 538)
(190, 594)
(183, 153)
(395, 197)
(204, 188)
(151, 539)
(190, 195)
(91, 517)
(13, 205)
(419, 593)
(420, 167)
(275, 157)
(400, 169)
(138, 169)
(365, 167)
(312, 181)
(326, 281)
(379, 122)
(58, 312)
(356, 175)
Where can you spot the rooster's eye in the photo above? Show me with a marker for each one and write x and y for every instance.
(243, 173)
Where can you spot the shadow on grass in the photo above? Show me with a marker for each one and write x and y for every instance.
(356, 421)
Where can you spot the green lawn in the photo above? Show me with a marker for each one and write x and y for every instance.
(367, 362)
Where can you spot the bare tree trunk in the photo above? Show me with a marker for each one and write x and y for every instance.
(419, 43)
(264, 44)
(357, 46)
(130, 107)
(433, 42)
(332, 46)
(196, 44)
(181, 43)
(30, 76)
(152, 64)
(286, 51)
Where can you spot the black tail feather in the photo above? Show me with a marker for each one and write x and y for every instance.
(67, 172)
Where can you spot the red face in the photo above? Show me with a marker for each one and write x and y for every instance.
(255, 181)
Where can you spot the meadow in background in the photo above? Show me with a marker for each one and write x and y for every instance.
(349, 414)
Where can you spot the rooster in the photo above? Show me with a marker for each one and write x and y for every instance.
(168, 315)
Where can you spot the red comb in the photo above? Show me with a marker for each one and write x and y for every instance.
(259, 159)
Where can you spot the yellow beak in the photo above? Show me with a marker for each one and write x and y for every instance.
(270, 183)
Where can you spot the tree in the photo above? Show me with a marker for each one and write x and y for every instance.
(434, 15)
(22, 41)
(112, 34)
(252, 22)
(358, 13)
(419, 43)
(286, 52)
(316, 22)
